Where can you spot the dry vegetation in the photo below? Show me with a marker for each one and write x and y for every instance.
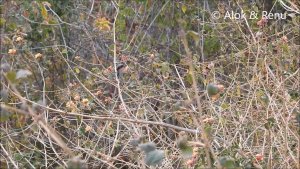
(149, 84)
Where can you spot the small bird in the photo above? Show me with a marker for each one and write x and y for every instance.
(121, 68)
(153, 156)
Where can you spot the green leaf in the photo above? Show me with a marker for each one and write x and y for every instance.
(165, 68)
(211, 46)
(183, 8)
(225, 106)
(11, 27)
(11, 76)
(110, 131)
(187, 152)
(182, 23)
(212, 89)
(285, 48)
(77, 70)
(270, 123)
(227, 162)
(81, 131)
(64, 51)
(208, 130)
(154, 157)
(44, 12)
(175, 59)
(195, 36)
(189, 79)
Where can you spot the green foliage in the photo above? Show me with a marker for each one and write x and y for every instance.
(212, 45)
(195, 36)
(294, 94)
(227, 162)
(270, 123)
(212, 89)
(12, 76)
(154, 157)
(62, 52)
(15, 77)
(11, 27)
(189, 79)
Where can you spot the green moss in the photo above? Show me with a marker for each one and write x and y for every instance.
(11, 27)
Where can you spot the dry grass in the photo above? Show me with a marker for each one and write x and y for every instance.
(80, 108)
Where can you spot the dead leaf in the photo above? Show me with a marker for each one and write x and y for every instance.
(88, 128)
(85, 102)
(38, 56)
(102, 24)
(12, 51)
